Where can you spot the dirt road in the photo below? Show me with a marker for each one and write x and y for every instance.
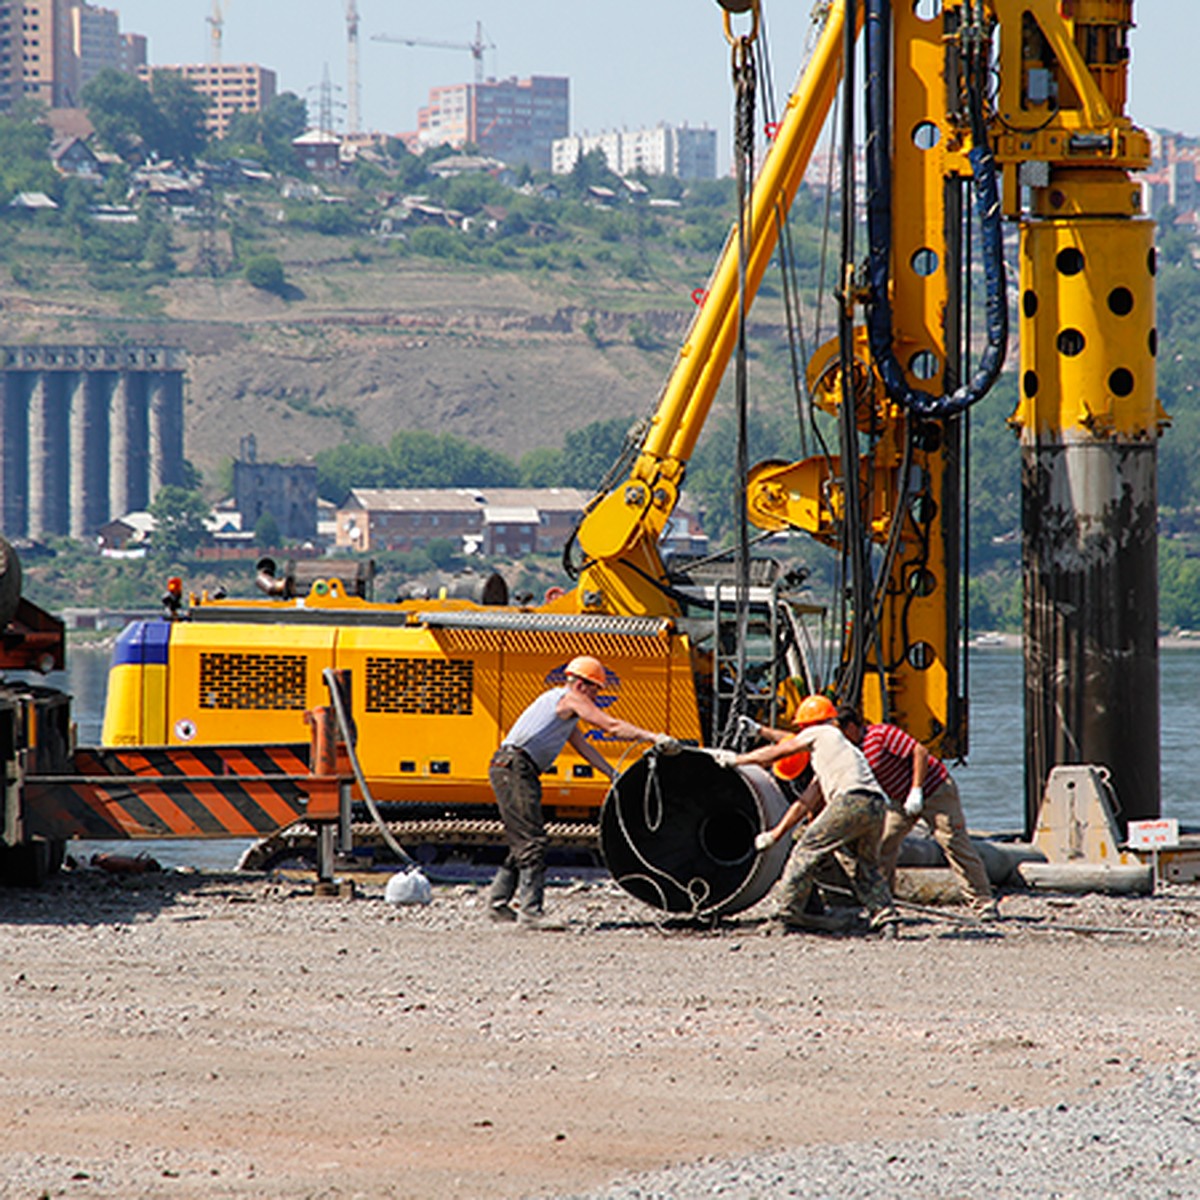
(207, 1036)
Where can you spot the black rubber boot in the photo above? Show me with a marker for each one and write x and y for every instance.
(530, 898)
(504, 887)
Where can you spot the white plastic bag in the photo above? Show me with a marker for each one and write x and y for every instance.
(408, 887)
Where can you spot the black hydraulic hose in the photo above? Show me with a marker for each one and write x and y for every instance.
(854, 543)
(348, 736)
(879, 228)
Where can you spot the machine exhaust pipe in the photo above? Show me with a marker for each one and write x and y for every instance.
(677, 832)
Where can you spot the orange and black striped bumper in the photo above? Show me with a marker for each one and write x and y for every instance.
(170, 791)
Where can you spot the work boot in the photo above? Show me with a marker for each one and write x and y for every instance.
(886, 923)
(826, 922)
(503, 888)
(531, 894)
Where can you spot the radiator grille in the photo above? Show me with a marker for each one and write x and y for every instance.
(428, 686)
(258, 681)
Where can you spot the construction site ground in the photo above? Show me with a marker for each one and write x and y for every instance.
(202, 1036)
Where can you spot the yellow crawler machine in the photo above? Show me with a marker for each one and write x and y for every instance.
(1010, 109)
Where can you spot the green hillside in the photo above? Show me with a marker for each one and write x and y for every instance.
(322, 313)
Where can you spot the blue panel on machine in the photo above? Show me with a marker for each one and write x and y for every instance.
(142, 643)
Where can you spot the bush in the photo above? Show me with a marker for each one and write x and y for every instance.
(265, 271)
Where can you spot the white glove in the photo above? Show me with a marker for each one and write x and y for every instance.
(764, 841)
(724, 758)
(749, 726)
(664, 743)
(915, 802)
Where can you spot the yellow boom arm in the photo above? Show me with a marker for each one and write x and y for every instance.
(619, 535)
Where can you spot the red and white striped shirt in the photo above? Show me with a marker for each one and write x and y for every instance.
(889, 750)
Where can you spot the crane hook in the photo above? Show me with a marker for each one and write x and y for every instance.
(740, 6)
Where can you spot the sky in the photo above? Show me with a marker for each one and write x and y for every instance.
(632, 63)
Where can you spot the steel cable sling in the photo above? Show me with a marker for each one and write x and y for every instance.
(744, 71)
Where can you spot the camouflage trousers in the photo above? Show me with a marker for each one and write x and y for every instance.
(850, 828)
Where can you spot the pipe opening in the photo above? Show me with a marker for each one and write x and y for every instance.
(727, 837)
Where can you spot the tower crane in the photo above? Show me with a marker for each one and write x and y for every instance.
(353, 87)
(216, 29)
(477, 47)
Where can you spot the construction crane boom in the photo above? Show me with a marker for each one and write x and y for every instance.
(477, 47)
(216, 23)
(353, 86)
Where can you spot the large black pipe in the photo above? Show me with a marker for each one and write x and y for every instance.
(1091, 628)
(677, 832)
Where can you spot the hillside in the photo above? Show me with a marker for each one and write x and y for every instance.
(366, 348)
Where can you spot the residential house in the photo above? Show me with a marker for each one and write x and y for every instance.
(74, 157)
(496, 521)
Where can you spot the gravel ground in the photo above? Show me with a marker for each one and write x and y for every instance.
(210, 1036)
(1137, 1143)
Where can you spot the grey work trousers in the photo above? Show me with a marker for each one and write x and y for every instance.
(517, 786)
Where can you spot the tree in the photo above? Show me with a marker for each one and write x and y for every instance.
(24, 155)
(284, 120)
(542, 467)
(179, 131)
(268, 135)
(266, 532)
(443, 553)
(588, 453)
(592, 170)
(121, 108)
(179, 517)
(265, 271)
(136, 120)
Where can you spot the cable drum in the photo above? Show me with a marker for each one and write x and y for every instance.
(677, 832)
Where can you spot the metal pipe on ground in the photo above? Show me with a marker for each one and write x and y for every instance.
(677, 832)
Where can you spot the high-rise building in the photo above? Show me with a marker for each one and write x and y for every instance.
(50, 48)
(46, 56)
(96, 42)
(134, 52)
(680, 151)
(514, 120)
(231, 88)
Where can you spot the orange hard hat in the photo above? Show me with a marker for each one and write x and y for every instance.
(813, 710)
(584, 666)
(791, 766)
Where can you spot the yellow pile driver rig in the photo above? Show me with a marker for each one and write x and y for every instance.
(976, 112)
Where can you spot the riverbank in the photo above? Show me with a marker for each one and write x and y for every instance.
(212, 1036)
(1180, 639)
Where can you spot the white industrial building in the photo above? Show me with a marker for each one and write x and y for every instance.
(676, 150)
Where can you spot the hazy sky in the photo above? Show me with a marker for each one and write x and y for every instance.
(631, 62)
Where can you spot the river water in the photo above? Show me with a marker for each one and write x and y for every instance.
(991, 781)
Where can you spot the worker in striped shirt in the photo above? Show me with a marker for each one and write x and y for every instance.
(920, 788)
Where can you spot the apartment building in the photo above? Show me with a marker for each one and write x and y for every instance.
(50, 48)
(96, 44)
(675, 150)
(230, 87)
(514, 120)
